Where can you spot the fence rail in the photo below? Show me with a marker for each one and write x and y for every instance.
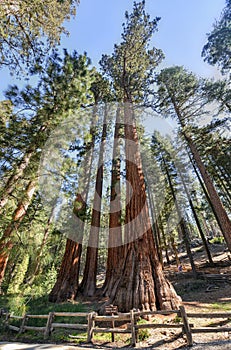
(130, 319)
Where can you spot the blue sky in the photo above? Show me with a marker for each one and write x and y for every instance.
(181, 35)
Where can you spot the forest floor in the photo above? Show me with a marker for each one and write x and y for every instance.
(198, 295)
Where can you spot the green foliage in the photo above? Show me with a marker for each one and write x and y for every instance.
(143, 334)
(177, 319)
(178, 92)
(15, 304)
(218, 91)
(217, 51)
(217, 240)
(222, 306)
(19, 305)
(30, 28)
(42, 284)
(37, 305)
(61, 90)
(18, 275)
(132, 63)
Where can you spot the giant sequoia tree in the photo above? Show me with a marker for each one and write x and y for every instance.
(141, 282)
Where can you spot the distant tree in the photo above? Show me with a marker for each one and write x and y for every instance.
(179, 95)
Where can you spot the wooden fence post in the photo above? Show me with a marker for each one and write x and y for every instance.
(6, 322)
(112, 310)
(23, 324)
(48, 325)
(91, 326)
(187, 328)
(133, 330)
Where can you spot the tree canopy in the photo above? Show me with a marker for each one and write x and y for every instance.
(30, 28)
(217, 51)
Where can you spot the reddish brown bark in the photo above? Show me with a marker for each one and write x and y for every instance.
(142, 283)
(66, 286)
(6, 242)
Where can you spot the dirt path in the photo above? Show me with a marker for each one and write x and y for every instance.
(22, 346)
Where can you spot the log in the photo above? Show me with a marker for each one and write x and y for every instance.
(70, 314)
(69, 325)
(163, 312)
(211, 329)
(14, 328)
(210, 315)
(111, 330)
(160, 325)
(122, 317)
(34, 328)
(37, 316)
(22, 327)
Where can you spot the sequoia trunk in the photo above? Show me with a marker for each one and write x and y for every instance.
(142, 283)
(115, 249)
(88, 284)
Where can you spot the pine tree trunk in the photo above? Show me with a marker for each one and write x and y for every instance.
(203, 187)
(6, 242)
(197, 220)
(11, 182)
(88, 283)
(173, 244)
(182, 223)
(142, 283)
(160, 225)
(221, 214)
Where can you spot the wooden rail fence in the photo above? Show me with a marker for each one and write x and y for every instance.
(130, 321)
